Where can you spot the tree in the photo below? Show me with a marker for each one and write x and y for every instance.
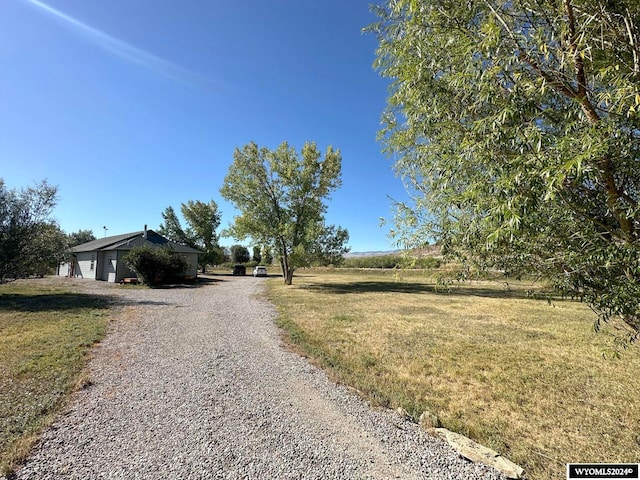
(329, 247)
(280, 195)
(515, 126)
(265, 253)
(202, 221)
(46, 249)
(73, 239)
(171, 228)
(24, 218)
(257, 255)
(240, 254)
(80, 237)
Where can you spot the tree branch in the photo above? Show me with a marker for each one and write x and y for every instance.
(581, 78)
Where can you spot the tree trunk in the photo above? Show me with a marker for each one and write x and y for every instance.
(287, 271)
(288, 278)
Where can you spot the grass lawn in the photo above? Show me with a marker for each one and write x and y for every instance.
(45, 336)
(519, 375)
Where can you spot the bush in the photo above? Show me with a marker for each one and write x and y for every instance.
(229, 265)
(156, 266)
(240, 254)
(382, 261)
(392, 261)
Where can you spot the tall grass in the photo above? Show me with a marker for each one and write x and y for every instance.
(526, 377)
(45, 335)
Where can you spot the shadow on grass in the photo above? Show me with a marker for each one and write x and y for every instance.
(248, 275)
(417, 288)
(66, 302)
(52, 302)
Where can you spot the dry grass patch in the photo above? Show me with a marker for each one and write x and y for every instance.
(515, 373)
(45, 334)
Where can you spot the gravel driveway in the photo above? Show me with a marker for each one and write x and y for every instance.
(194, 383)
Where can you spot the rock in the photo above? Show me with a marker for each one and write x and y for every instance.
(429, 421)
(479, 453)
(403, 413)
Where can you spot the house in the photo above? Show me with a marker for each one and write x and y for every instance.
(101, 259)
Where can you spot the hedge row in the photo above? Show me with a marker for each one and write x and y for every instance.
(392, 261)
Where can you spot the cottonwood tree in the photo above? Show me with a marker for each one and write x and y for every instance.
(266, 255)
(515, 126)
(202, 221)
(24, 221)
(280, 195)
(80, 237)
(240, 254)
(171, 228)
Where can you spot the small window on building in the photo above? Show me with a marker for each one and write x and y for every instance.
(93, 263)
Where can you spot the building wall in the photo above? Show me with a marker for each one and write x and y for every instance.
(192, 271)
(63, 269)
(122, 271)
(109, 266)
(107, 262)
(86, 265)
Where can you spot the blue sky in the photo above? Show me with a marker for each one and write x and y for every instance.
(131, 106)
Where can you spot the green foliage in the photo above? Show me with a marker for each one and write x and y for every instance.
(171, 228)
(80, 237)
(29, 240)
(229, 265)
(202, 221)
(329, 247)
(45, 250)
(267, 256)
(240, 254)
(280, 195)
(73, 239)
(257, 255)
(392, 261)
(515, 127)
(156, 265)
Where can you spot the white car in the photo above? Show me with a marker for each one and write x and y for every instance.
(260, 271)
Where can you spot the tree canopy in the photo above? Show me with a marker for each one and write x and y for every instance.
(515, 126)
(80, 237)
(29, 239)
(239, 254)
(202, 219)
(280, 195)
(257, 254)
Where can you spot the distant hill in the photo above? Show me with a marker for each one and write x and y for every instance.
(371, 254)
(428, 251)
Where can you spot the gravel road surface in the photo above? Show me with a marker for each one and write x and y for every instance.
(194, 383)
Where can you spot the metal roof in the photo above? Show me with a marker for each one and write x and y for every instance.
(102, 243)
(127, 241)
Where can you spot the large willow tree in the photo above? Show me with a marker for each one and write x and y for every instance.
(515, 126)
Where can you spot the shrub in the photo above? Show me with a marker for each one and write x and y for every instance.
(392, 261)
(156, 266)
